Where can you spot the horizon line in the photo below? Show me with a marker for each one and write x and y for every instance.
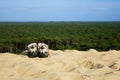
(59, 21)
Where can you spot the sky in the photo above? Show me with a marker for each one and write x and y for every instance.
(59, 10)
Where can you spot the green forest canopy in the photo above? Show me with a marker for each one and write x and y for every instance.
(102, 36)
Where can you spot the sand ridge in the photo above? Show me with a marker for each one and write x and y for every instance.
(62, 65)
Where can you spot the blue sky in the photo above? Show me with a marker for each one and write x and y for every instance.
(59, 10)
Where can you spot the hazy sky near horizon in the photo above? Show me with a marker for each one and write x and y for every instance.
(59, 10)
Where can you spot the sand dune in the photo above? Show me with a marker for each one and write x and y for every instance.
(62, 65)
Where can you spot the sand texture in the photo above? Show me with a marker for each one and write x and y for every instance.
(62, 65)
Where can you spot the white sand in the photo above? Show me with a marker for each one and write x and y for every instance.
(62, 65)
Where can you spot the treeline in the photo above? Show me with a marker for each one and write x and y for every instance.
(102, 36)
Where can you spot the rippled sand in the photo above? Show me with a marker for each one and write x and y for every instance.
(62, 65)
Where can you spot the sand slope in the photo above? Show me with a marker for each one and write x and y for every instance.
(62, 65)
